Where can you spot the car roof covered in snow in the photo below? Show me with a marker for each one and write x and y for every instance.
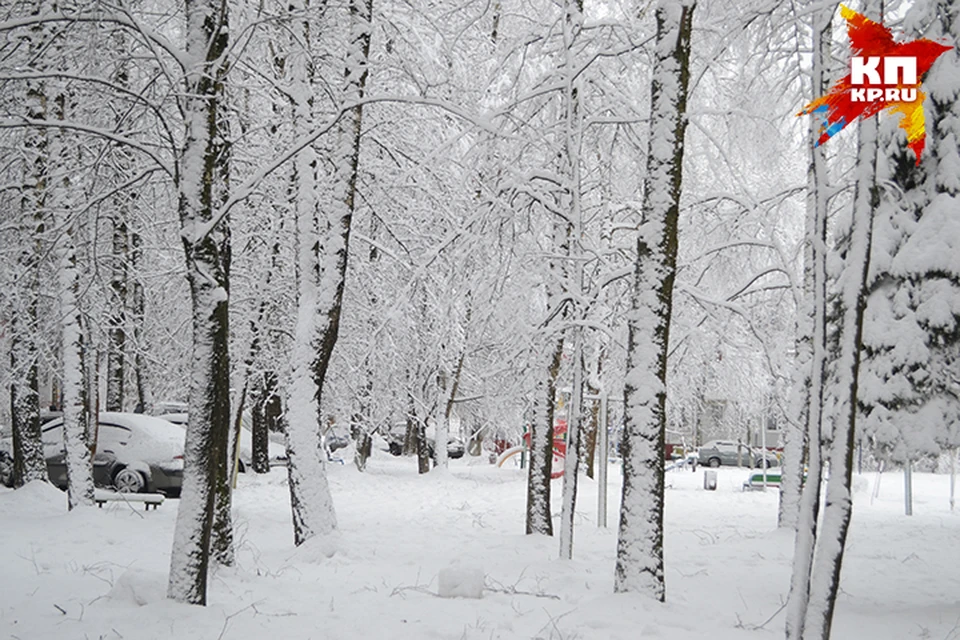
(156, 438)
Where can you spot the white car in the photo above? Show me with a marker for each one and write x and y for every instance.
(135, 453)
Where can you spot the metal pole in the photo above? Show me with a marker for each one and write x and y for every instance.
(908, 488)
(763, 452)
(953, 476)
(602, 475)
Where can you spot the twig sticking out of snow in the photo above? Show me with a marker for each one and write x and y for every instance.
(757, 627)
(498, 587)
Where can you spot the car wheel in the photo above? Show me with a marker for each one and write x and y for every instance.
(714, 462)
(129, 481)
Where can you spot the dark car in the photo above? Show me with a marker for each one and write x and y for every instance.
(455, 448)
(135, 453)
(725, 452)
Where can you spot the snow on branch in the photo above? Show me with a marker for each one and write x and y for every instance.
(19, 123)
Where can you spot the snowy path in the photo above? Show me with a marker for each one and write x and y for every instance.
(102, 573)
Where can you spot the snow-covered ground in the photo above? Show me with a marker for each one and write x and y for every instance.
(101, 573)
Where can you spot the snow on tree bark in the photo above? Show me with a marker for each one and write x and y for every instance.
(825, 573)
(571, 143)
(76, 416)
(441, 427)
(255, 385)
(202, 187)
(138, 320)
(120, 251)
(811, 359)
(28, 459)
(540, 466)
(639, 566)
(310, 501)
(810, 318)
(267, 409)
(117, 333)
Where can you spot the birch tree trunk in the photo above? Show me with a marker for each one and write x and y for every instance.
(321, 282)
(802, 507)
(310, 501)
(540, 466)
(138, 319)
(120, 251)
(808, 386)
(825, 575)
(572, 23)
(28, 459)
(441, 459)
(203, 187)
(117, 332)
(76, 417)
(639, 565)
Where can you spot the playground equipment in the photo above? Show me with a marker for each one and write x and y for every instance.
(559, 448)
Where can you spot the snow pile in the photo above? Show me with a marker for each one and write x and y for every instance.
(139, 587)
(458, 581)
(36, 498)
(318, 548)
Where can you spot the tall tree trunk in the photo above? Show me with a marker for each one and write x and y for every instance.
(332, 243)
(253, 350)
(825, 575)
(76, 417)
(540, 467)
(811, 363)
(28, 459)
(120, 250)
(266, 411)
(590, 437)
(203, 186)
(117, 331)
(810, 318)
(138, 318)
(419, 439)
(310, 501)
(640, 541)
(572, 23)
(440, 422)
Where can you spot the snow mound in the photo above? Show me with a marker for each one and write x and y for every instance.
(36, 497)
(460, 582)
(861, 485)
(139, 587)
(318, 548)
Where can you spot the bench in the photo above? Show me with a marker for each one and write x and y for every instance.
(149, 500)
(755, 481)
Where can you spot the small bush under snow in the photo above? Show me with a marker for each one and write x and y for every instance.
(460, 582)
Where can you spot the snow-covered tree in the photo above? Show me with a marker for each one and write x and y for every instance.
(202, 189)
(640, 540)
(912, 332)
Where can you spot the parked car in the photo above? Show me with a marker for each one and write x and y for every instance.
(455, 448)
(276, 451)
(135, 453)
(725, 452)
(169, 406)
(395, 438)
(333, 441)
